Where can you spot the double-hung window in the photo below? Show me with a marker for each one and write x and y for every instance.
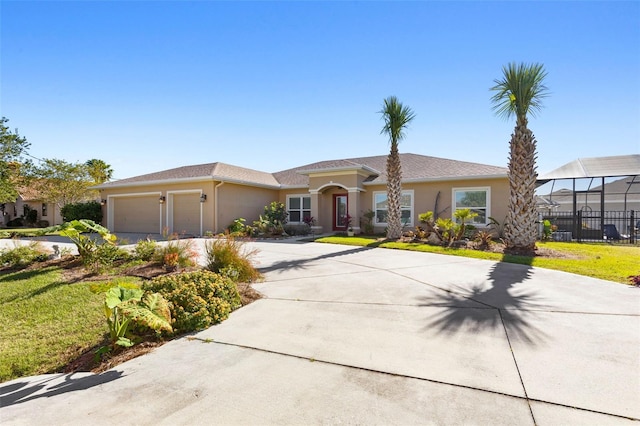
(475, 199)
(299, 208)
(381, 206)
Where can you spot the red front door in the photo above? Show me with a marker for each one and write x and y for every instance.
(340, 212)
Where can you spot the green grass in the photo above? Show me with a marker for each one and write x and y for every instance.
(604, 261)
(45, 322)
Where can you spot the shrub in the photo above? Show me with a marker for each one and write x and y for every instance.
(145, 249)
(273, 219)
(196, 299)
(42, 223)
(30, 215)
(16, 223)
(186, 255)
(91, 210)
(22, 256)
(230, 257)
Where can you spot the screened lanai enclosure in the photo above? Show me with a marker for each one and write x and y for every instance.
(593, 199)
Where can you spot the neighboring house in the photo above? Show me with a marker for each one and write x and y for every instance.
(204, 198)
(28, 197)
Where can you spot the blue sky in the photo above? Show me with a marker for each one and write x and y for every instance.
(147, 86)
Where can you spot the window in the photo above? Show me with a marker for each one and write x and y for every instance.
(475, 199)
(299, 208)
(380, 207)
(44, 209)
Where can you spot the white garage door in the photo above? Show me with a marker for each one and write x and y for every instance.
(136, 214)
(186, 214)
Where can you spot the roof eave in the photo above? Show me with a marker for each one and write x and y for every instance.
(442, 179)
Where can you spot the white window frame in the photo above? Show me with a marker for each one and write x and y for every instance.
(301, 209)
(486, 189)
(411, 208)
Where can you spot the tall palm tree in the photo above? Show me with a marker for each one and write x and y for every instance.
(396, 118)
(519, 93)
(99, 171)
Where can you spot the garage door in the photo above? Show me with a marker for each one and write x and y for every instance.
(186, 214)
(136, 214)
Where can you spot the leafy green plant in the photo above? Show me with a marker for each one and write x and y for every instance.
(273, 219)
(124, 306)
(22, 255)
(238, 227)
(96, 260)
(196, 299)
(484, 239)
(229, 256)
(546, 230)
(447, 230)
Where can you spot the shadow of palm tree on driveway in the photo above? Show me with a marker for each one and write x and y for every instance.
(300, 264)
(503, 305)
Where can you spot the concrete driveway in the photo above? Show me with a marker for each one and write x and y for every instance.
(349, 335)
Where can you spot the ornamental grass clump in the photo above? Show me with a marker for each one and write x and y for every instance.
(181, 251)
(197, 300)
(230, 257)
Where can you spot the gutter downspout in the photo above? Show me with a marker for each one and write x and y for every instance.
(215, 207)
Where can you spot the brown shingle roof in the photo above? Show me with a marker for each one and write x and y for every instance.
(217, 171)
(414, 168)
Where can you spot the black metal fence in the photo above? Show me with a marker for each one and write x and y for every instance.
(613, 226)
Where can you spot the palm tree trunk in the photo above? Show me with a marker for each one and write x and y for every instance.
(520, 228)
(394, 191)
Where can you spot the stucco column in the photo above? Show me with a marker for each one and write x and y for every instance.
(354, 209)
(315, 211)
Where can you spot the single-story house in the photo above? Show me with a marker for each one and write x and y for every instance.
(30, 199)
(197, 199)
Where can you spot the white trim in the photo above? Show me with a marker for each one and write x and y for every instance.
(327, 185)
(412, 208)
(487, 189)
(301, 206)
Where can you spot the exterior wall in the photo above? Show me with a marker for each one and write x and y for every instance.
(425, 194)
(237, 201)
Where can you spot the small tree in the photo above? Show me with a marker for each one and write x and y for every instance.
(12, 162)
(61, 182)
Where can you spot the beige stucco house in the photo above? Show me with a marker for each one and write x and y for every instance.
(194, 200)
(29, 198)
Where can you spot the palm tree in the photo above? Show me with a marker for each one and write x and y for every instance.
(519, 93)
(396, 118)
(99, 171)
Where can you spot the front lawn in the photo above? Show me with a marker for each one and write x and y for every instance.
(46, 321)
(604, 261)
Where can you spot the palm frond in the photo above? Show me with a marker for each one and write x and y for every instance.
(520, 91)
(396, 118)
